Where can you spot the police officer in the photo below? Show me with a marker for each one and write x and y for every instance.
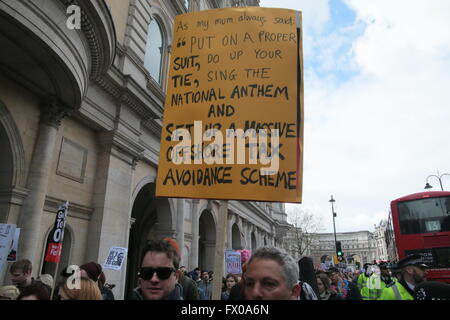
(396, 272)
(385, 275)
(414, 272)
(432, 290)
(369, 283)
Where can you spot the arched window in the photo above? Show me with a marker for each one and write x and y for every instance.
(154, 50)
(187, 4)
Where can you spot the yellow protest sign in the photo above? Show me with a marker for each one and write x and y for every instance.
(233, 118)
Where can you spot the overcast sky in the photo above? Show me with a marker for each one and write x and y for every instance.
(377, 104)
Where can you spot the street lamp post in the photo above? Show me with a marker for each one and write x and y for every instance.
(439, 177)
(334, 224)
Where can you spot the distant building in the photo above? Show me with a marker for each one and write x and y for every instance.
(380, 238)
(359, 246)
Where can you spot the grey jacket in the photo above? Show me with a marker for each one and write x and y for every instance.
(176, 294)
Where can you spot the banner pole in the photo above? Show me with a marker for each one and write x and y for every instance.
(54, 280)
(220, 250)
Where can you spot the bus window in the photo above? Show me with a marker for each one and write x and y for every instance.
(443, 257)
(424, 215)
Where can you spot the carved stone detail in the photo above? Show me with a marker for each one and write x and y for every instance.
(53, 112)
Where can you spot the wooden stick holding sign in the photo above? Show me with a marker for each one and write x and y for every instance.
(220, 249)
(233, 117)
(55, 246)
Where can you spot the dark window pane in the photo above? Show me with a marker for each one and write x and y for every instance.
(443, 257)
(424, 215)
(433, 257)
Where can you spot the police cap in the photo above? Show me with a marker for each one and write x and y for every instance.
(412, 260)
(394, 268)
(383, 265)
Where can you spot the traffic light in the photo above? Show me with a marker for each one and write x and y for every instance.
(339, 249)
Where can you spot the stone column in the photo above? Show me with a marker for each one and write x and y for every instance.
(195, 5)
(245, 232)
(180, 225)
(111, 217)
(37, 181)
(194, 246)
(230, 219)
(258, 237)
(249, 235)
(210, 247)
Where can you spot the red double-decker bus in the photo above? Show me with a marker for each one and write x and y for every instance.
(420, 224)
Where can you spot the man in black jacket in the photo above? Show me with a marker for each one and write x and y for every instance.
(157, 274)
(190, 290)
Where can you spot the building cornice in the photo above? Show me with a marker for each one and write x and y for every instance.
(98, 28)
(75, 210)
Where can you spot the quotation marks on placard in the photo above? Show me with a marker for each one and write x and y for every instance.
(197, 83)
(181, 42)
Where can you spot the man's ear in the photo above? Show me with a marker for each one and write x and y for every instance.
(295, 293)
(409, 270)
(177, 274)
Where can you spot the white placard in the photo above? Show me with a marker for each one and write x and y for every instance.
(115, 259)
(12, 256)
(6, 239)
(233, 262)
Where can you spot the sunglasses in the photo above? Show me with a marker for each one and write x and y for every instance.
(163, 273)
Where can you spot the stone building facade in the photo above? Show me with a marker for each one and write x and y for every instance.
(380, 238)
(360, 245)
(80, 121)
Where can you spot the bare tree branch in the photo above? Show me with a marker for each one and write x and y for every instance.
(304, 224)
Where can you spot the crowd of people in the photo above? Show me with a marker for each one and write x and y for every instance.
(91, 284)
(269, 274)
(405, 280)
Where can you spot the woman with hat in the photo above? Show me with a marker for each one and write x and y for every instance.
(93, 271)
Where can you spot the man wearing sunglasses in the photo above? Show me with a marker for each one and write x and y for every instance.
(157, 277)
